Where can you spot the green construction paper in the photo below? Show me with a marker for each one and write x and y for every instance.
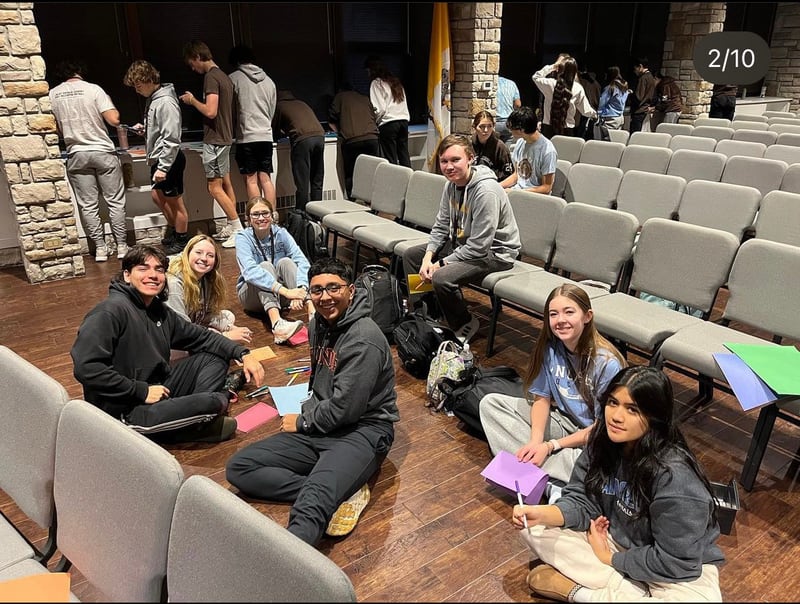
(778, 366)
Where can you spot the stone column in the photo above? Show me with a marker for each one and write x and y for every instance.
(783, 77)
(475, 40)
(32, 159)
(688, 22)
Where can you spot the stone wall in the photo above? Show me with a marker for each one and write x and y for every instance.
(688, 22)
(783, 77)
(475, 40)
(30, 154)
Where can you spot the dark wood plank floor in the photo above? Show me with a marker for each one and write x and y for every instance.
(434, 531)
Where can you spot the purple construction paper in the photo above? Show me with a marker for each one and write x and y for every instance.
(504, 469)
(749, 389)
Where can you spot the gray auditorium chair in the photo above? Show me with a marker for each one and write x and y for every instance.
(602, 153)
(651, 139)
(712, 121)
(696, 143)
(619, 136)
(388, 197)
(691, 165)
(114, 491)
(755, 136)
(361, 195)
(779, 218)
(788, 138)
(673, 129)
(720, 205)
(592, 244)
(560, 179)
(718, 133)
(785, 128)
(593, 185)
(423, 196)
(221, 549)
(647, 195)
(537, 217)
(788, 153)
(743, 125)
(756, 299)
(568, 147)
(745, 117)
(675, 261)
(730, 147)
(791, 179)
(792, 121)
(645, 159)
(30, 406)
(764, 174)
(768, 114)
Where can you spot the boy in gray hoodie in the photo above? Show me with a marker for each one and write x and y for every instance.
(162, 131)
(254, 98)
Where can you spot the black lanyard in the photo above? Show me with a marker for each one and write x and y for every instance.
(271, 260)
(457, 214)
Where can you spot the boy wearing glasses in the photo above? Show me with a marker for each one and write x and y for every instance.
(323, 457)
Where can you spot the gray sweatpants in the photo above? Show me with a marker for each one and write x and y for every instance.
(95, 173)
(256, 300)
(506, 420)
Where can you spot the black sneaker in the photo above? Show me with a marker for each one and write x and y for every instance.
(169, 236)
(219, 429)
(235, 380)
(179, 242)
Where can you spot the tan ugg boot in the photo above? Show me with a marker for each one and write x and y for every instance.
(548, 582)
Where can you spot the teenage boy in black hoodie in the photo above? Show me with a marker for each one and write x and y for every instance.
(121, 357)
(323, 457)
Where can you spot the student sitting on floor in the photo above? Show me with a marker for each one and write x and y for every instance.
(569, 368)
(323, 457)
(637, 520)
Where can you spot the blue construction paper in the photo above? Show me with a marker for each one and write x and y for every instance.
(749, 389)
(505, 469)
(288, 399)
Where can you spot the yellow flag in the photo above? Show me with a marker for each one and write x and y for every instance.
(440, 78)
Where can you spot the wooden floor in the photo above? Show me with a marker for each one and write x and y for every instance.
(434, 531)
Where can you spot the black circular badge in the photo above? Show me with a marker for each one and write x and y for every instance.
(731, 57)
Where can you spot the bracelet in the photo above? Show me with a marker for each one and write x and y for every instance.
(556, 445)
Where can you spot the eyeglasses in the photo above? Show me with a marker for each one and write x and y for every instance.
(260, 214)
(331, 288)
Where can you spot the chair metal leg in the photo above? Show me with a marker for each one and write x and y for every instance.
(496, 305)
(335, 244)
(758, 445)
(705, 393)
(356, 251)
(62, 565)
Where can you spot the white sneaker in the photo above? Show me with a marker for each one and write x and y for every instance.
(283, 330)
(101, 254)
(466, 332)
(122, 249)
(224, 233)
(231, 241)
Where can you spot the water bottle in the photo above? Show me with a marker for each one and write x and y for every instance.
(469, 360)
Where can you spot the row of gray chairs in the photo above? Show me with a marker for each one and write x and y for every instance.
(118, 508)
(598, 184)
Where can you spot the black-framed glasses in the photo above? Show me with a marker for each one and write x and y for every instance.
(331, 288)
(260, 214)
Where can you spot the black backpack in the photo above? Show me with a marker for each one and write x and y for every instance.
(307, 233)
(417, 338)
(383, 295)
(463, 396)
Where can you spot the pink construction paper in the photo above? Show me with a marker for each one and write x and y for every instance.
(301, 337)
(258, 414)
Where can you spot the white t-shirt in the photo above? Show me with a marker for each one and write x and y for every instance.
(78, 108)
(386, 109)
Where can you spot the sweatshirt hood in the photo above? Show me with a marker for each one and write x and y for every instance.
(254, 72)
(479, 173)
(166, 90)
